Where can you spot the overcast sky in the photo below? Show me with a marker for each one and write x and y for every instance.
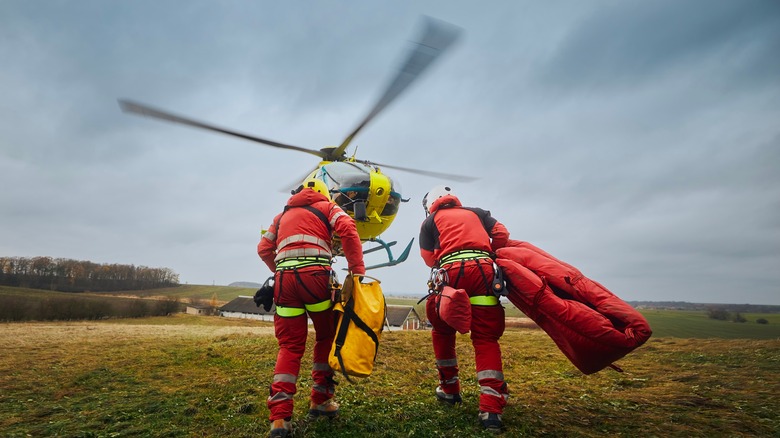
(638, 141)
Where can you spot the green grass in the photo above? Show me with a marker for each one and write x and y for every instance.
(692, 324)
(188, 376)
(223, 294)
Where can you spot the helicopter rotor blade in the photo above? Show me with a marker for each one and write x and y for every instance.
(289, 187)
(440, 175)
(144, 110)
(436, 38)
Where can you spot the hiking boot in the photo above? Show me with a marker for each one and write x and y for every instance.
(450, 399)
(281, 428)
(329, 409)
(491, 422)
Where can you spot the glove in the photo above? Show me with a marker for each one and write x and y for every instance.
(265, 295)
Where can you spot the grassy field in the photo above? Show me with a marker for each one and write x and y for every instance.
(690, 324)
(185, 376)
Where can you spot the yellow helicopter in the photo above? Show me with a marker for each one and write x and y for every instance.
(369, 196)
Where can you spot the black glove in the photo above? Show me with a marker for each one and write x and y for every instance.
(265, 295)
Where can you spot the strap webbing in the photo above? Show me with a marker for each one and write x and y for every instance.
(348, 317)
(484, 300)
(465, 254)
(289, 312)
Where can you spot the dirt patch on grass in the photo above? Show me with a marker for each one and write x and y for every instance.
(520, 322)
(19, 334)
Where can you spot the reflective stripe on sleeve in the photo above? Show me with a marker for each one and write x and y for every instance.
(335, 217)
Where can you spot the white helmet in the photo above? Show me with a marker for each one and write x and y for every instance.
(434, 194)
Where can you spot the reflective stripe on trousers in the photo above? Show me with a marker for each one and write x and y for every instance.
(291, 312)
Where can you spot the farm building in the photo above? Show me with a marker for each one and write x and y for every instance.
(402, 318)
(199, 309)
(398, 317)
(245, 307)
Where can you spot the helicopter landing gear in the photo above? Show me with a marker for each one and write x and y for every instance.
(390, 260)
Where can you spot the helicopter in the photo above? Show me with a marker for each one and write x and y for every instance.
(359, 187)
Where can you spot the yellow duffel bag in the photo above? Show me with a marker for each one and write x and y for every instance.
(361, 318)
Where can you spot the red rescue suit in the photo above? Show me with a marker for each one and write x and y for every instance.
(297, 246)
(460, 239)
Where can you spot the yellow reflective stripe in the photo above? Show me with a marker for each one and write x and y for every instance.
(301, 262)
(289, 312)
(462, 255)
(318, 307)
(484, 300)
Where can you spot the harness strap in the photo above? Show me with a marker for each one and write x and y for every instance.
(318, 307)
(325, 250)
(289, 312)
(301, 262)
(465, 254)
(350, 317)
(484, 300)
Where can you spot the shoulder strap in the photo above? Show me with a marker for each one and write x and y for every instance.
(311, 209)
(319, 214)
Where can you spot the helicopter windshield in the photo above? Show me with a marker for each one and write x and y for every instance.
(349, 182)
(394, 200)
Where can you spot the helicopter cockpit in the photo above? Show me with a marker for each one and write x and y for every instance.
(351, 186)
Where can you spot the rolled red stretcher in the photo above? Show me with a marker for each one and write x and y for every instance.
(590, 324)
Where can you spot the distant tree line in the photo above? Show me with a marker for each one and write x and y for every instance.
(67, 275)
(55, 306)
(684, 305)
(722, 314)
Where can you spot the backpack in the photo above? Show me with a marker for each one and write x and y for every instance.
(361, 318)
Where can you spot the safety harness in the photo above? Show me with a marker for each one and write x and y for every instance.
(463, 256)
(295, 259)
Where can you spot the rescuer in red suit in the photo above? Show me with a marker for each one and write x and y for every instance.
(460, 240)
(297, 247)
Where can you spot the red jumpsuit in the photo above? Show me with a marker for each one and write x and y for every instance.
(460, 239)
(297, 246)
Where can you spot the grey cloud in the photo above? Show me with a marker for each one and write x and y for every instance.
(630, 42)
